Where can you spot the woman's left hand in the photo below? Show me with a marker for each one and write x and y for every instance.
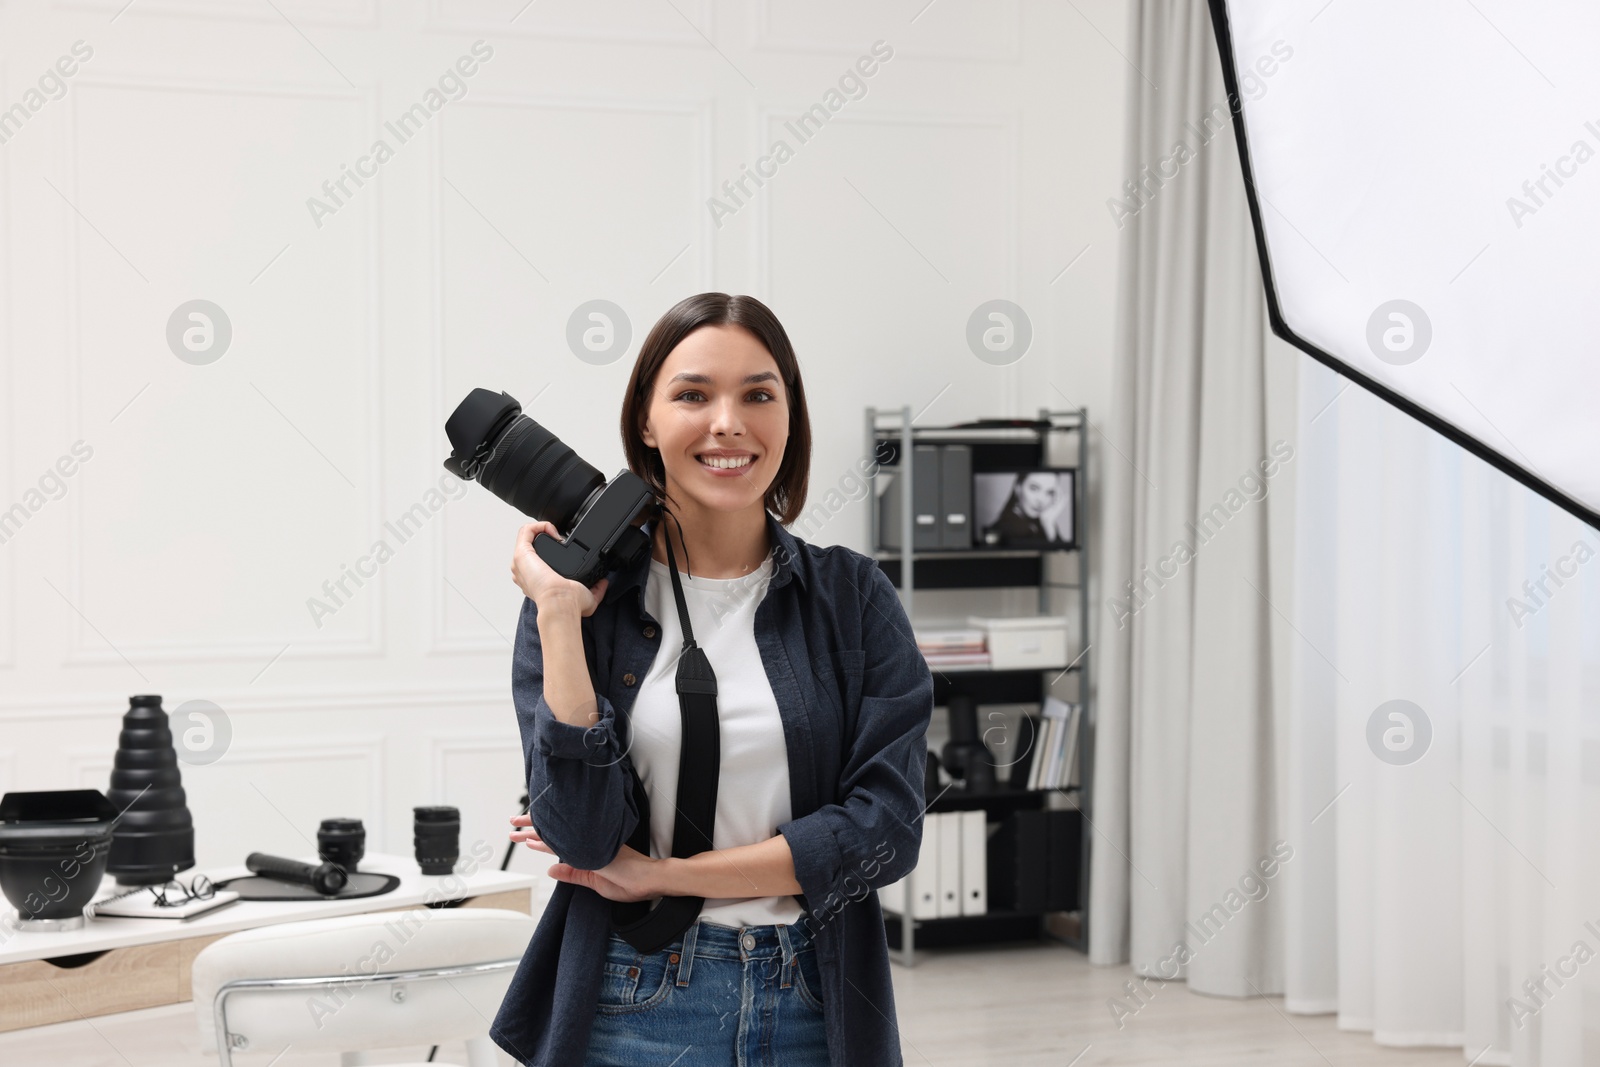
(630, 876)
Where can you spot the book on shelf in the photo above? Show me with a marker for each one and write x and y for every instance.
(1058, 747)
(1058, 712)
(957, 659)
(1020, 754)
(1041, 755)
(1069, 773)
(993, 430)
(964, 640)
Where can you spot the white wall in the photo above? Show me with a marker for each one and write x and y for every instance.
(179, 558)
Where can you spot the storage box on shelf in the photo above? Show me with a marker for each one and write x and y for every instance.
(1037, 642)
(938, 541)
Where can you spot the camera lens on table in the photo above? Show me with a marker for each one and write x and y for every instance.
(437, 837)
(342, 841)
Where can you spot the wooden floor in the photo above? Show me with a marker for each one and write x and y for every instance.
(1018, 1006)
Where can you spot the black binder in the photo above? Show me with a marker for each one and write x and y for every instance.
(955, 496)
(1063, 848)
(1017, 857)
(925, 517)
(1033, 861)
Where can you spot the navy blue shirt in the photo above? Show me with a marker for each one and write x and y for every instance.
(855, 696)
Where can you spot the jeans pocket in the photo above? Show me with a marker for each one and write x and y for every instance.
(633, 981)
(808, 978)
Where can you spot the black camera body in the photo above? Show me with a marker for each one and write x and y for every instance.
(524, 464)
(604, 536)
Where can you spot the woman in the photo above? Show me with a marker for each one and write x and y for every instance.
(823, 705)
(1031, 514)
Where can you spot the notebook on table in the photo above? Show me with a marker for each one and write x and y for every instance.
(141, 903)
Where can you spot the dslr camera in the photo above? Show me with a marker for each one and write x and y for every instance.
(492, 442)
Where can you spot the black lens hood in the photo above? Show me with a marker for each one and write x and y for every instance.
(476, 424)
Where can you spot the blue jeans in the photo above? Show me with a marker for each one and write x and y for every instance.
(715, 997)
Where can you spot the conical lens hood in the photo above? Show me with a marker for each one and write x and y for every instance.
(154, 837)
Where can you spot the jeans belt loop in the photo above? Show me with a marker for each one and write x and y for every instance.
(686, 954)
(788, 954)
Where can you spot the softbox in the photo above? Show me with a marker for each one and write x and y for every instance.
(1424, 179)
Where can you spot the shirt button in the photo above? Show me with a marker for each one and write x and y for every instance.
(748, 941)
(628, 679)
(649, 631)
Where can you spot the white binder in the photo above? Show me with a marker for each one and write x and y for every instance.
(892, 897)
(949, 833)
(974, 863)
(924, 881)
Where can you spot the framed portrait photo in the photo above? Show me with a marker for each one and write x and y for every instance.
(1024, 508)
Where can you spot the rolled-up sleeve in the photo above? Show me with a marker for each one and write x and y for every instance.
(579, 778)
(871, 838)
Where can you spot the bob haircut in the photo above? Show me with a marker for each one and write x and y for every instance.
(786, 496)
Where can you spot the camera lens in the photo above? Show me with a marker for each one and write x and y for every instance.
(533, 471)
(342, 841)
(437, 838)
(519, 460)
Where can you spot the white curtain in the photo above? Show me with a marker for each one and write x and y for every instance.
(1386, 667)
(1466, 887)
(1197, 462)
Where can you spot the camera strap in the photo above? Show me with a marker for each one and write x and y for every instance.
(699, 767)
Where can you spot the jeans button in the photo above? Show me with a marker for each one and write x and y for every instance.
(748, 941)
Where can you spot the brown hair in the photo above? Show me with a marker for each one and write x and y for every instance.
(786, 496)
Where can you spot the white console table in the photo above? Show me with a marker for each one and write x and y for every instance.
(112, 964)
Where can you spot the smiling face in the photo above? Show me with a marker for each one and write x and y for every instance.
(719, 415)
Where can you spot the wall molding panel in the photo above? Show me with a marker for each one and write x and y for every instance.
(354, 14)
(524, 23)
(326, 700)
(89, 648)
(1009, 50)
(701, 242)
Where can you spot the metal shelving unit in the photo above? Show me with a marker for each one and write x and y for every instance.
(890, 434)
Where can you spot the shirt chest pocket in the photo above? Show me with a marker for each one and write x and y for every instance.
(840, 682)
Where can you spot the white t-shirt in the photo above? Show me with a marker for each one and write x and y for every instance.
(753, 790)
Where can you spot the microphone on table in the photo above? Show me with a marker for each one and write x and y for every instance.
(326, 878)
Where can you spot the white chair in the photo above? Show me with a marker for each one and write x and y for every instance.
(421, 976)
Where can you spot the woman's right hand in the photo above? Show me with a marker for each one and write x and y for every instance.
(540, 583)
